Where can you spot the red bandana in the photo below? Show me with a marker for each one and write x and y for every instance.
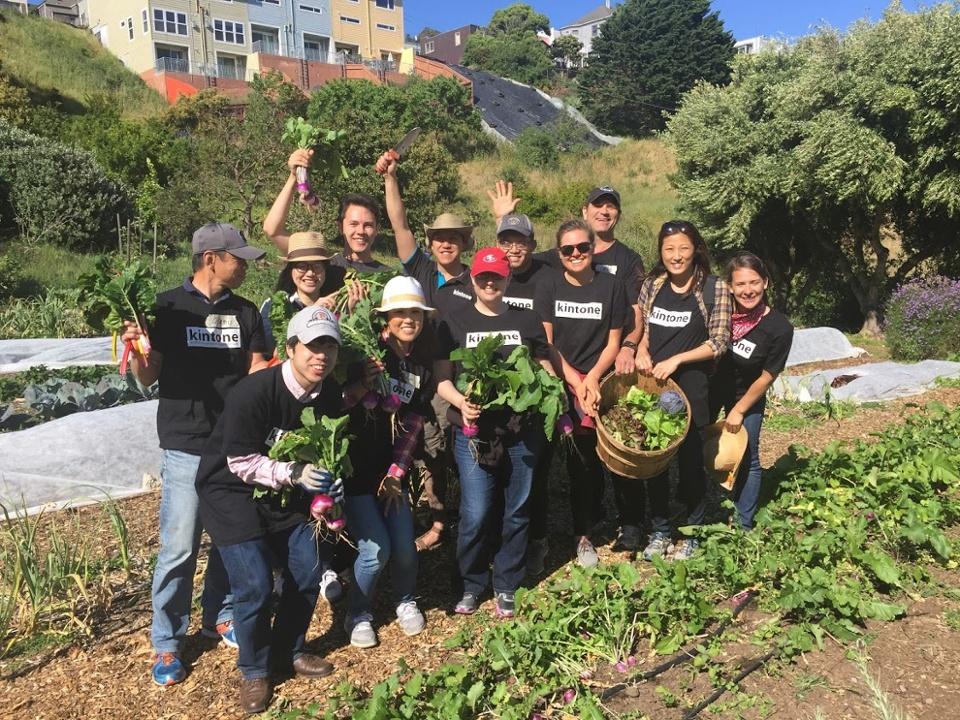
(743, 323)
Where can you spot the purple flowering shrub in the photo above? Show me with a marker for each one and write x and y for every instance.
(923, 319)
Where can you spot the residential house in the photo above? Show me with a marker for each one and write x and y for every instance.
(65, 11)
(292, 28)
(368, 29)
(447, 46)
(754, 45)
(19, 5)
(587, 27)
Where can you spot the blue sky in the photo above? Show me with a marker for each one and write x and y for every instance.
(744, 18)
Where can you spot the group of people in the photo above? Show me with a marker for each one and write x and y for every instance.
(584, 308)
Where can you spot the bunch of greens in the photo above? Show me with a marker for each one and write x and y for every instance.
(372, 284)
(360, 333)
(118, 290)
(326, 156)
(640, 420)
(518, 382)
(281, 310)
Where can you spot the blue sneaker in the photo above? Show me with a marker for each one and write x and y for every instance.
(658, 546)
(223, 631)
(685, 549)
(168, 670)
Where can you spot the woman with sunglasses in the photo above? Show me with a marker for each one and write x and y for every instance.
(584, 312)
(501, 451)
(686, 328)
(759, 346)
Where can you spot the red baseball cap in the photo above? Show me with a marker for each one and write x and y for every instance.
(493, 260)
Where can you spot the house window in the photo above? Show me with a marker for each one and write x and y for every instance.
(312, 9)
(388, 28)
(456, 39)
(386, 4)
(429, 46)
(272, 2)
(594, 29)
(130, 28)
(349, 20)
(146, 21)
(167, 21)
(315, 48)
(228, 31)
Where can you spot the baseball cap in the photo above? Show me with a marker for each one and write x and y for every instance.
(599, 192)
(223, 236)
(515, 222)
(493, 260)
(313, 322)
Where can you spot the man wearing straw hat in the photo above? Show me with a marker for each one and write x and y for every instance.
(446, 283)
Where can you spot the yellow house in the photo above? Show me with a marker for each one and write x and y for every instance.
(371, 29)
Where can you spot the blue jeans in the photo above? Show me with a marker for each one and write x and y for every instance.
(747, 489)
(478, 485)
(180, 530)
(250, 566)
(381, 538)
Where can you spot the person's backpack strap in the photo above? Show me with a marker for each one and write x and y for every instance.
(710, 293)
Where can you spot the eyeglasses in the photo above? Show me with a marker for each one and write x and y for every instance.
(514, 244)
(583, 248)
(304, 267)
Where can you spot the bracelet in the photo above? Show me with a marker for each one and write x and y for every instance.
(396, 471)
(629, 344)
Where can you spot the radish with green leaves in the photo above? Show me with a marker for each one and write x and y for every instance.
(324, 143)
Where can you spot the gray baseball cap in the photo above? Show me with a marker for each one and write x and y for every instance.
(214, 237)
(515, 222)
(313, 322)
(599, 192)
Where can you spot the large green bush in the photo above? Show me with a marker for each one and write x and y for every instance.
(923, 319)
(51, 192)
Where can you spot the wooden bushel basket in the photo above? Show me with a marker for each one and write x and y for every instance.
(623, 460)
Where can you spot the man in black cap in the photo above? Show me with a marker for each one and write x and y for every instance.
(205, 339)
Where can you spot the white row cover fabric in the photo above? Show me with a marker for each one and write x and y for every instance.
(83, 457)
(20, 355)
(820, 344)
(874, 382)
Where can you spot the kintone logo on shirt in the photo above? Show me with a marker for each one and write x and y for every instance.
(510, 337)
(744, 348)
(581, 311)
(609, 269)
(461, 293)
(670, 318)
(221, 332)
(522, 303)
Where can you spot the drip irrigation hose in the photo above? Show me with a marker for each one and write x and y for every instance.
(683, 656)
(749, 668)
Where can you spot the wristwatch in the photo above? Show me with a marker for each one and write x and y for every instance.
(629, 344)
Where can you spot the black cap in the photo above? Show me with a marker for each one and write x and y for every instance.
(599, 192)
(222, 236)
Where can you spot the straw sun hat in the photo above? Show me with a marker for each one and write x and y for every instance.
(403, 293)
(451, 222)
(307, 246)
(723, 452)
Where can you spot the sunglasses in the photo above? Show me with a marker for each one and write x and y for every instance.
(583, 248)
(676, 226)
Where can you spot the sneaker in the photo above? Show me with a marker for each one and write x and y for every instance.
(330, 588)
(467, 605)
(223, 631)
(628, 538)
(658, 545)
(586, 553)
(685, 549)
(360, 630)
(536, 555)
(504, 605)
(168, 670)
(410, 619)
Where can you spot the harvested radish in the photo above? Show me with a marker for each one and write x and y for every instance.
(569, 696)
(321, 505)
(326, 157)
(565, 425)
(371, 400)
(631, 661)
(470, 431)
(621, 666)
(336, 524)
(391, 403)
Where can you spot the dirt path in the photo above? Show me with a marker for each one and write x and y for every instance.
(107, 676)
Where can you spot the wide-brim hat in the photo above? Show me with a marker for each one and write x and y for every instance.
(403, 293)
(306, 246)
(451, 222)
(723, 451)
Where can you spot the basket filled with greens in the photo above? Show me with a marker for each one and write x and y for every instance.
(642, 423)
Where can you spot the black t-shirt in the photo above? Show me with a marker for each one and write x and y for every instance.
(583, 316)
(766, 347)
(466, 326)
(617, 260)
(259, 411)
(412, 379)
(454, 293)
(675, 324)
(205, 348)
(337, 269)
(522, 290)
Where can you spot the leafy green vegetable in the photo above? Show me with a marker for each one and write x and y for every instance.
(639, 421)
(281, 310)
(372, 282)
(519, 382)
(324, 143)
(360, 332)
(117, 290)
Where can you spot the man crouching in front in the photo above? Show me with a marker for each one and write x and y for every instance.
(255, 534)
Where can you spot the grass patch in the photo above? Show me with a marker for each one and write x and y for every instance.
(951, 618)
(787, 415)
(875, 345)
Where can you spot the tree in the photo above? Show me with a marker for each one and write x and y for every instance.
(509, 46)
(566, 51)
(647, 54)
(837, 157)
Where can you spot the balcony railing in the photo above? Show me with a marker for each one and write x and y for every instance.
(230, 72)
(172, 64)
(269, 46)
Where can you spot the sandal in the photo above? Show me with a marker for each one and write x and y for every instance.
(431, 539)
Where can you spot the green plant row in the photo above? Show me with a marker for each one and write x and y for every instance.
(842, 541)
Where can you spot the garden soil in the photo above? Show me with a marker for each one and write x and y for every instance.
(105, 674)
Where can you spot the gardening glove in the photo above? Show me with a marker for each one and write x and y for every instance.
(335, 492)
(311, 478)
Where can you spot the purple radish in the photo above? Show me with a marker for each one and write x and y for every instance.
(586, 675)
(390, 403)
(621, 666)
(370, 400)
(321, 505)
(470, 431)
(565, 425)
(568, 696)
(336, 524)
(631, 661)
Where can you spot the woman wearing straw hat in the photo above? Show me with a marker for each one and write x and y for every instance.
(760, 343)
(377, 502)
